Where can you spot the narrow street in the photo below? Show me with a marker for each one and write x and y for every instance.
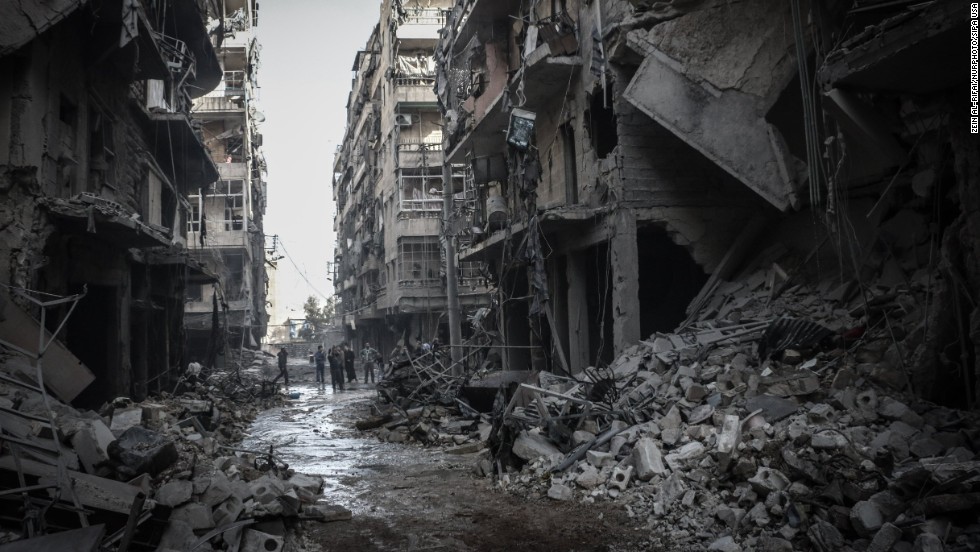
(405, 497)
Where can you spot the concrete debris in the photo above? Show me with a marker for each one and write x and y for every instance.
(172, 458)
(752, 431)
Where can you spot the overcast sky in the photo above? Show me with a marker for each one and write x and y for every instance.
(308, 48)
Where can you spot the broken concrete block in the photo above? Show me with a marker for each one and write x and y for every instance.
(580, 437)
(198, 516)
(600, 459)
(228, 511)
(257, 541)
(178, 535)
(91, 442)
(218, 491)
(691, 451)
(140, 450)
(828, 439)
(616, 444)
(531, 444)
(885, 539)
(195, 406)
(728, 439)
(768, 480)
(327, 512)
(865, 518)
(154, 413)
(725, 544)
(561, 492)
(927, 542)
(671, 420)
(312, 484)
(647, 460)
(773, 408)
(123, 419)
(620, 477)
(266, 489)
(175, 493)
(589, 478)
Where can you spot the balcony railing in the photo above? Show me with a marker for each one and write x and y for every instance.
(425, 16)
(217, 103)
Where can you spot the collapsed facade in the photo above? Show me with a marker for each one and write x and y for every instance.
(225, 230)
(98, 155)
(626, 154)
(388, 179)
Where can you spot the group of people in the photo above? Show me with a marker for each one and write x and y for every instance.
(341, 359)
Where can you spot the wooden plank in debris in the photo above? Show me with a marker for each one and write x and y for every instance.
(64, 374)
(86, 539)
(92, 491)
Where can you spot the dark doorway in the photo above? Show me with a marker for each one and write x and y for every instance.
(93, 336)
(669, 279)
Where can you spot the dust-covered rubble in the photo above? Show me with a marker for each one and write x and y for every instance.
(164, 473)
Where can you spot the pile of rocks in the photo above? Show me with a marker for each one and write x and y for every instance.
(163, 472)
(430, 425)
(779, 418)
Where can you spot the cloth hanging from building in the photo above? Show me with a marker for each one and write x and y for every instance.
(416, 66)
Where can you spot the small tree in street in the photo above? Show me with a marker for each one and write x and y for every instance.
(317, 317)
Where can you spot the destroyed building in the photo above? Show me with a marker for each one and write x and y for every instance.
(628, 156)
(388, 184)
(225, 229)
(98, 155)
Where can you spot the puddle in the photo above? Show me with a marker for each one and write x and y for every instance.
(315, 435)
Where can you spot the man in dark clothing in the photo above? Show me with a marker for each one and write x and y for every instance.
(282, 356)
(349, 364)
(320, 358)
(336, 368)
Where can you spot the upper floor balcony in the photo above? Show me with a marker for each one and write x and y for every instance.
(415, 90)
(420, 27)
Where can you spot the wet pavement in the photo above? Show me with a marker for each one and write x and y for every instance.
(315, 435)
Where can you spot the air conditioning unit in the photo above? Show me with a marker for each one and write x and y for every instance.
(403, 119)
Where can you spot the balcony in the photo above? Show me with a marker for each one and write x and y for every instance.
(415, 91)
(420, 27)
(214, 104)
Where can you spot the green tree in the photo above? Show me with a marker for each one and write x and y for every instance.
(317, 317)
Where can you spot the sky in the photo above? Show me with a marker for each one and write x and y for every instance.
(308, 48)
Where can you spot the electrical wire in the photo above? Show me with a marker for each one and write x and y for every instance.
(301, 272)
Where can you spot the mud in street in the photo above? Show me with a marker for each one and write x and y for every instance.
(405, 497)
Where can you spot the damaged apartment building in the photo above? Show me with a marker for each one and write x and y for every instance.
(98, 156)
(225, 229)
(388, 183)
(626, 156)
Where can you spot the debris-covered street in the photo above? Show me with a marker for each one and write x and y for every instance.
(570, 275)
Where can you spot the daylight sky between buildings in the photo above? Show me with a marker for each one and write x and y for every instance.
(308, 48)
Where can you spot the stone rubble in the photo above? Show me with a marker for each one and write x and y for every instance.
(178, 450)
(779, 418)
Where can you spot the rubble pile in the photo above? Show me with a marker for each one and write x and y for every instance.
(779, 418)
(162, 474)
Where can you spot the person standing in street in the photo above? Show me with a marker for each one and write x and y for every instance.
(282, 356)
(349, 363)
(368, 357)
(320, 358)
(336, 368)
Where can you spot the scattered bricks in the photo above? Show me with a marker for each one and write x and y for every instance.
(620, 477)
(728, 439)
(695, 393)
(828, 439)
(228, 511)
(885, 539)
(927, 542)
(154, 413)
(865, 518)
(198, 516)
(266, 489)
(531, 444)
(327, 512)
(308, 487)
(767, 480)
(647, 459)
(691, 451)
(561, 492)
(175, 493)
(821, 413)
(257, 541)
(600, 459)
(616, 444)
(671, 420)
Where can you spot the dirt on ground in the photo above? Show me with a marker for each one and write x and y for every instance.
(406, 497)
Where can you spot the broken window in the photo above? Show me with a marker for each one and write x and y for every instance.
(419, 261)
(570, 162)
(601, 121)
(195, 292)
(232, 193)
(194, 221)
(420, 189)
